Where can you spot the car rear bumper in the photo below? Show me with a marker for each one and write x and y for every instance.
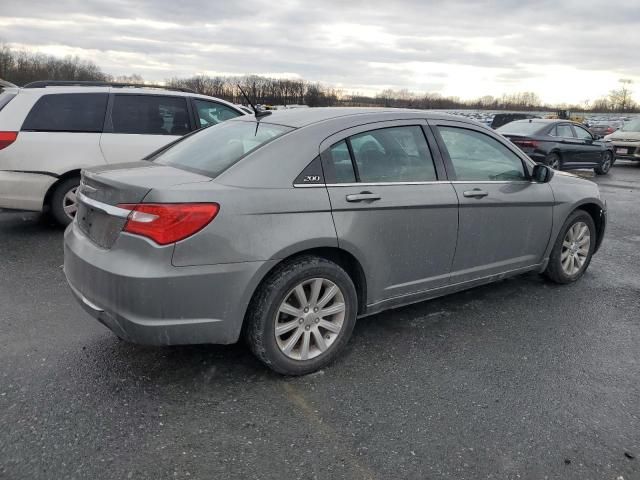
(143, 299)
(24, 190)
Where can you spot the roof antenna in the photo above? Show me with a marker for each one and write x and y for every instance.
(258, 113)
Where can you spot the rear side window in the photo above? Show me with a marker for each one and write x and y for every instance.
(67, 112)
(150, 115)
(394, 154)
(563, 131)
(212, 113)
(213, 150)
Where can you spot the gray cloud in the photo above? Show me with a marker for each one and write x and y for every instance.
(358, 45)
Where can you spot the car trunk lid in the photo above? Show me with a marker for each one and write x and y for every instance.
(103, 189)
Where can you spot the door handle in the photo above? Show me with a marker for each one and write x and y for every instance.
(475, 193)
(363, 196)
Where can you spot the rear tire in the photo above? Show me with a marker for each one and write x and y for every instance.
(605, 166)
(573, 249)
(282, 329)
(63, 203)
(553, 160)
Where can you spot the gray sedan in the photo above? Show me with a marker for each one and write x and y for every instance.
(284, 229)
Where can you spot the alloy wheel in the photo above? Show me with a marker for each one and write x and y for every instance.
(606, 162)
(310, 319)
(70, 203)
(575, 248)
(555, 163)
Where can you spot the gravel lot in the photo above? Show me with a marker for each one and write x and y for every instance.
(520, 379)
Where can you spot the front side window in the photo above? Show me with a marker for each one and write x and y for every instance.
(212, 151)
(150, 115)
(479, 157)
(68, 112)
(582, 134)
(395, 154)
(212, 113)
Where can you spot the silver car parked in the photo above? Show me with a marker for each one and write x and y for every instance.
(286, 228)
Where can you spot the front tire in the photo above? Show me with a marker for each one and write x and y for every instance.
(605, 166)
(63, 203)
(573, 249)
(553, 160)
(302, 316)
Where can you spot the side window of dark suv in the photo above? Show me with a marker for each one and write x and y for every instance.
(150, 115)
(67, 112)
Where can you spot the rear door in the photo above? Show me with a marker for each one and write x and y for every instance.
(505, 218)
(569, 144)
(138, 124)
(392, 206)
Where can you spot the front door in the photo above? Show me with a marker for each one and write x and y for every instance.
(391, 207)
(590, 151)
(505, 218)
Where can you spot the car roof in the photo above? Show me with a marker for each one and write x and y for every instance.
(129, 89)
(301, 117)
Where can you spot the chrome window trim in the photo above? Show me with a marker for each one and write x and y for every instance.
(435, 182)
(104, 207)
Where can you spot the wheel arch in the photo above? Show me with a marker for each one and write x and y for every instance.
(596, 212)
(47, 197)
(341, 257)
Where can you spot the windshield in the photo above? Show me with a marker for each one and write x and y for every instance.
(632, 126)
(214, 149)
(520, 128)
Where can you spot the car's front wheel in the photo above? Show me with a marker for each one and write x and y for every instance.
(573, 249)
(605, 165)
(302, 315)
(553, 160)
(64, 204)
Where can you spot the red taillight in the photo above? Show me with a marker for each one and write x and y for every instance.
(526, 143)
(609, 130)
(7, 138)
(166, 223)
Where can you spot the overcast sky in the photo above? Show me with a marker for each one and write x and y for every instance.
(566, 51)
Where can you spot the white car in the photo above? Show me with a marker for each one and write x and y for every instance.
(50, 131)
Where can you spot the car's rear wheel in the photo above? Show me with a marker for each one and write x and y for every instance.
(63, 204)
(605, 166)
(573, 249)
(302, 315)
(553, 160)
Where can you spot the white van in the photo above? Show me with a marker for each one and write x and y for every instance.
(50, 131)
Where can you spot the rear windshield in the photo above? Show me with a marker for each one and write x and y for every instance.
(214, 149)
(520, 128)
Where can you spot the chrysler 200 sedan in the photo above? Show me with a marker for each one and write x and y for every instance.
(285, 229)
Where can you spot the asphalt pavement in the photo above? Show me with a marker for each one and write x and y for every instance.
(519, 379)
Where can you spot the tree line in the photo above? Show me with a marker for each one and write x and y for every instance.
(21, 67)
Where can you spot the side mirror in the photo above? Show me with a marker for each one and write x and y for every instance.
(542, 173)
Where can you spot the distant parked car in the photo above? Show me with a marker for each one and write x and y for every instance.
(501, 119)
(49, 131)
(600, 129)
(284, 229)
(626, 141)
(561, 144)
